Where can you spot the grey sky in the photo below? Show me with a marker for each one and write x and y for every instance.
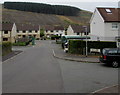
(89, 5)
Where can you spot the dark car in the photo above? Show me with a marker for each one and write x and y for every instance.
(111, 56)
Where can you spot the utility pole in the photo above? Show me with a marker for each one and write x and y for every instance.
(85, 28)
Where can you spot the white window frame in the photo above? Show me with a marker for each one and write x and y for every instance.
(114, 25)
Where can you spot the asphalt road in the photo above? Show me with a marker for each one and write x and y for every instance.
(35, 70)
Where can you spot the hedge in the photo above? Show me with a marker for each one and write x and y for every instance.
(22, 41)
(6, 48)
(78, 46)
(53, 37)
(19, 44)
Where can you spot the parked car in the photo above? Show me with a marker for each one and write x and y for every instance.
(111, 56)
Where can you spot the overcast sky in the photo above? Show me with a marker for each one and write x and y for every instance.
(89, 5)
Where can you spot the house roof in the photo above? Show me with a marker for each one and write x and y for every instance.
(58, 28)
(110, 14)
(51, 28)
(79, 28)
(23, 27)
(7, 26)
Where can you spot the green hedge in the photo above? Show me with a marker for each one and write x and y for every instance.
(78, 46)
(22, 41)
(19, 44)
(53, 37)
(6, 48)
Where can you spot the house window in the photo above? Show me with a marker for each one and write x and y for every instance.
(78, 33)
(30, 31)
(24, 31)
(5, 39)
(24, 36)
(87, 33)
(51, 30)
(108, 11)
(46, 31)
(36, 31)
(5, 32)
(56, 30)
(17, 31)
(114, 26)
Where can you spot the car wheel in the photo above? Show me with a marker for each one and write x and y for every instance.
(115, 64)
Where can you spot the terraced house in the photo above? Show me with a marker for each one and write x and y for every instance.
(8, 32)
(28, 30)
(11, 32)
(54, 30)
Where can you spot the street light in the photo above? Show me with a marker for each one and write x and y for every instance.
(85, 27)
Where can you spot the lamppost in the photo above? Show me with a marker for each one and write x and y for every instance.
(85, 29)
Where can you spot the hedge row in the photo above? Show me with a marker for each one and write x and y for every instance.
(78, 46)
(6, 48)
(53, 37)
(19, 44)
(22, 41)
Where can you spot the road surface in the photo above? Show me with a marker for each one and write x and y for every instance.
(35, 70)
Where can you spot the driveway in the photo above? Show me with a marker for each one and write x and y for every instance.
(35, 70)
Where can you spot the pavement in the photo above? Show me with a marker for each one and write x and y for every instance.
(59, 53)
(112, 89)
(10, 55)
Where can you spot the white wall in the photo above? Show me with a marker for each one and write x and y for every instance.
(97, 27)
(110, 33)
(70, 31)
(58, 32)
(100, 29)
(55, 32)
(14, 30)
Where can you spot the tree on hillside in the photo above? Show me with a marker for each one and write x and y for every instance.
(43, 8)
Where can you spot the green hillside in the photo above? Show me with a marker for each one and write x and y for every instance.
(11, 16)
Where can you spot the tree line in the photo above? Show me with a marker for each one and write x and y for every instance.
(43, 8)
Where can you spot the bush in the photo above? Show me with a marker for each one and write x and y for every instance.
(78, 46)
(22, 41)
(19, 44)
(6, 48)
(53, 37)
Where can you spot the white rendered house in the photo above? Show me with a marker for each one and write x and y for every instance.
(105, 24)
(77, 30)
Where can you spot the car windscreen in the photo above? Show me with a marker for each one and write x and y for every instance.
(104, 51)
(112, 52)
(109, 51)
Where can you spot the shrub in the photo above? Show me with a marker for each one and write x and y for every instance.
(22, 41)
(53, 37)
(19, 44)
(6, 48)
(78, 46)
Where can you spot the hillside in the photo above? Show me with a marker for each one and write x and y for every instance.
(11, 16)
(43, 8)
